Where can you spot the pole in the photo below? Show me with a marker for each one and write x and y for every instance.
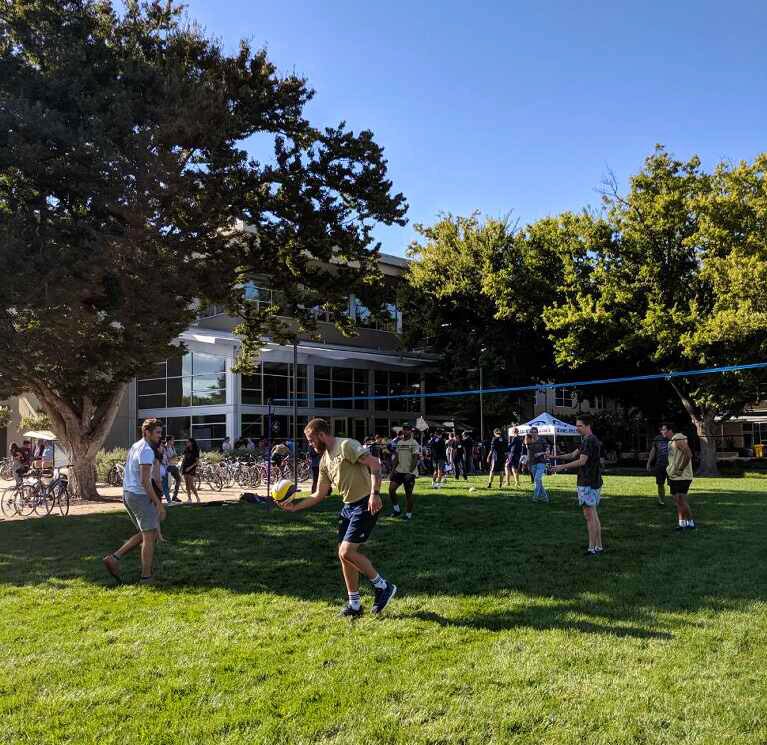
(295, 413)
(269, 450)
(481, 408)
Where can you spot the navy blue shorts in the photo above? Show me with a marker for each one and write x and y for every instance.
(355, 522)
(397, 478)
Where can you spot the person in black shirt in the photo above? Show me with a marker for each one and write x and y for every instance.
(458, 461)
(536, 462)
(496, 458)
(468, 455)
(513, 458)
(189, 468)
(587, 459)
(439, 458)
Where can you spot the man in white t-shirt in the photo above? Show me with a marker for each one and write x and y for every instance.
(143, 500)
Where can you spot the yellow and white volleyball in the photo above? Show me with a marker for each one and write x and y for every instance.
(284, 491)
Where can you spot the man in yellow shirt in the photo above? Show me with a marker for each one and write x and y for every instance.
(356, 475)
(407, 453)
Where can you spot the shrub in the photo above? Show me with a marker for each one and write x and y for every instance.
(106, 459)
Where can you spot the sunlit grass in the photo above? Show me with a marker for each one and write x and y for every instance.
(502, 630)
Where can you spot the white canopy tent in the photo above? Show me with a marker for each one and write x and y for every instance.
(546, 424)
(60, 456)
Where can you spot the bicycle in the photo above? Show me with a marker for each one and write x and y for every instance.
(12, 497)
(116, 475)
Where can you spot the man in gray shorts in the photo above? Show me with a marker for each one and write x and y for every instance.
(142, 498)
(587, 460)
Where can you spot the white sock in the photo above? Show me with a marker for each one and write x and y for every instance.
(408, 514)
(378, 582)
(682, 523)
(395, 508)
(354, 600)
(690, 523)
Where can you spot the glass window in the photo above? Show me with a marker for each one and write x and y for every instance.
(179, 392)
(564, 397)
(176, 367)
(178, 426)
(209, 431)
(150, 387)
(343, 393)
(207, 386)
(208, 364)
(252, 425)
(208, 390)
(152, 402)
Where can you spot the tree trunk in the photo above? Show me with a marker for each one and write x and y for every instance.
(704, 426)
(82, 432)
(82, 476)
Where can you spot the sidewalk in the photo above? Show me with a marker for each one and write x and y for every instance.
(111, 500)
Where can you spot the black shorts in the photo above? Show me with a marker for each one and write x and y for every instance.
(355, 522)
(402, 478)
(679, 487)
(496, 463)
(661, 477)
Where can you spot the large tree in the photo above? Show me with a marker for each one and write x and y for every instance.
(477, 288)
(681, 284)
(126, 195)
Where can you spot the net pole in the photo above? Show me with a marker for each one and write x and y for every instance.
(269, 449)
(295, 413)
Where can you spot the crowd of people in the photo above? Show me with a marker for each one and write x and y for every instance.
(354, 471)
(28, 456)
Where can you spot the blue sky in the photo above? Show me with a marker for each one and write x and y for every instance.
(518, 107)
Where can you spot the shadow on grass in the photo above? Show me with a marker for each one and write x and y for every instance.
(552, 618)
(461, 546)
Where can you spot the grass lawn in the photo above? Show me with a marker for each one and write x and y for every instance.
(502, 631)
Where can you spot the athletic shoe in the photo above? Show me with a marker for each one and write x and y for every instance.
(395, 514)
(593, 552)
(383, 597)
(660, 502)
(680, 528)
(112, 566)
(348, 612)
(690, 527)
(408, 517)
(146, 580)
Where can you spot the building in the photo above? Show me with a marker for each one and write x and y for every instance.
(198, 393)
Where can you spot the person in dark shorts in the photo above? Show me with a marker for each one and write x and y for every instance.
(513, 458)
(457, 457)
(404, 471)
(438, 449)
(189, 465)
(587, 459)
(657, 459)
(680, 477)
(356, 475)
(314, 462)
(468, 455)
(496, 458)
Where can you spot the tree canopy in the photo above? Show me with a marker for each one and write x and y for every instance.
(682, 283)
(126, 196)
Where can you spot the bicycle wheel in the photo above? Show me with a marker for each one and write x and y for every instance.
(62, 498)
(44, 500)
(8, 501)
(26, 500)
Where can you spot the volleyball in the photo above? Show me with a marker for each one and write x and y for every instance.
(284, 491)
